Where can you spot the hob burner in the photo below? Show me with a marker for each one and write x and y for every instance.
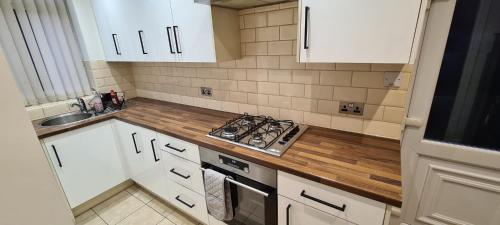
(256, 138)
(229, 132)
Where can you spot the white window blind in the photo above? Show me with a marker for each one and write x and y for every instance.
(42, 50)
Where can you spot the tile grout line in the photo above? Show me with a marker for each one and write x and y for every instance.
(97, 214)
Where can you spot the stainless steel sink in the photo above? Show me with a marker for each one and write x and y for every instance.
(65, 119)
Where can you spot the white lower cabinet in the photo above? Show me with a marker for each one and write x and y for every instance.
(291, 212)
(188, 201)
(87, 161)
(334, 202)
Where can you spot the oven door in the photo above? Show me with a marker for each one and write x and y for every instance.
(254, 203)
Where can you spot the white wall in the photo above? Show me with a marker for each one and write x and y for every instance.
(29, 192)
(85, 25)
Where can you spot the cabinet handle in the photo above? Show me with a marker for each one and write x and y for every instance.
(170, 40)
(303, 194)
(154, 151)
(174, 148)
(288, 214)
(183, 202)
(306, 28)
(135, 143)
(142, 42)
(117, 46)
(178, 174)
(57, 156)
(176, 28)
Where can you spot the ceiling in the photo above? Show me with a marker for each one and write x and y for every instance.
(244, 4)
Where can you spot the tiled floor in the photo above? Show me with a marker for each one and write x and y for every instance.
(134, 206)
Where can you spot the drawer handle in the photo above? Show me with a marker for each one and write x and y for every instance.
(57, 156)
(154, 151)
(288, 214)
(303, 194)
(174, 148)
(183, 202)
(135, 143)
(178, 174)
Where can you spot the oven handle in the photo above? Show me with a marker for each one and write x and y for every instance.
(231, 180)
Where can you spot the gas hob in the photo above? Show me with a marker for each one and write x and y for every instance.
(260, 133)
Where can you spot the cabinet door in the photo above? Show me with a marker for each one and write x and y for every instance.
(357, 31)
(193, 31)
(294, 213)
(131, 147)
(86, 161)
(152, 176)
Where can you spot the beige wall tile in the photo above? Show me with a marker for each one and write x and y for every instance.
(368, 79)
(247, 62)
(35, 112)
(56, 108)
(229, 85)
(267, 8)
(319, 92)
(247, 86)
(373, 112)
(338, 78)
(280, 76)
(305, 104)
(387, 97)
(248, 35)
(280, 17)
(293, 4)
(256, 48)
(392, 67)
(257, 74)
(296, 90)
(347, 123)
(280, 101)
(328, 107)
(296, 116)
(242, 22)
(240, 97)
(237, 74)
(382, 129)
(288, 32)
(246, 11)
(316, 119)
(305, 76)
(320, 66)
(268, 34)
(270, 111)
(268, 88)
(393, 114)
(268, 62)
(215, 84)
(290, 62)
(258, 99)
(280, 48)
(255, 20)
(353, 66)
(349, 94)
(230, 107)
(250, 109)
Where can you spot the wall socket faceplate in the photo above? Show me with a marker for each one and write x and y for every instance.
(206, 91)
(353, 108)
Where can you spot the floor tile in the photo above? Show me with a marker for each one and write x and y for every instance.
(179, 218)
(143, 195)
(89, 218)
(166, 222)
(161, 207)
(118, 207)
(143, 216)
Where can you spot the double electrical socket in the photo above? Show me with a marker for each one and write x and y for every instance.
(206, 91)
(353, 108)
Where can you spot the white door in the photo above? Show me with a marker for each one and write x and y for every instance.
(161, 34)
(86, 161)
(450, 149)
(291, 212)
(193, 33)
(357, 31)
(131, 147)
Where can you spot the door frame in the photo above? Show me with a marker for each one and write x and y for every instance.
(414, 147)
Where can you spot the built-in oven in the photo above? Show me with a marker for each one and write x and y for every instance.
(253, 188)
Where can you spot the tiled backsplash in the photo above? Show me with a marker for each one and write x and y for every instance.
(268, 80)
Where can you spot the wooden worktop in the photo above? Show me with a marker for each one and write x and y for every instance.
(360, 164)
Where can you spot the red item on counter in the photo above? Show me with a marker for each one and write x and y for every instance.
(115, 99)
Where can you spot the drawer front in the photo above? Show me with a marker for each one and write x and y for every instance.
(188, 202)
(184, 172)
(342, 204)
(291, 212)
(180, 148)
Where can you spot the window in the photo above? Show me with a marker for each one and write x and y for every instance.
(42, 50)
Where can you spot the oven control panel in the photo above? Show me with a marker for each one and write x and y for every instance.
(234, 163)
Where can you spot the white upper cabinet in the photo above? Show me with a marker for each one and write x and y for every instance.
(357, 31)
(161, 30)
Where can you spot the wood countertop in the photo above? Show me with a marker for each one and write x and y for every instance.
(360, 164)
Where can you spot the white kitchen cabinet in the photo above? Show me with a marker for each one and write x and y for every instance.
(358, 31)
(291, 212)
(142, 155)
(87, 161)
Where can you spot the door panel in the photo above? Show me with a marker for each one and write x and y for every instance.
(300, 214)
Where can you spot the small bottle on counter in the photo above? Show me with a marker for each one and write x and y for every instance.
(97, 102)
(115, 99)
